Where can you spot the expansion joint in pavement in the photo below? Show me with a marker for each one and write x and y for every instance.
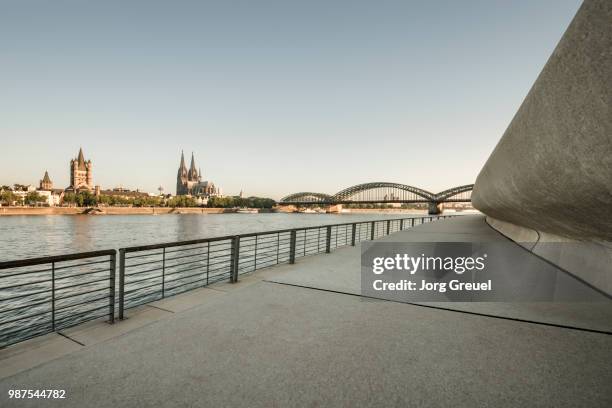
(159, 308)
(514, 319)
(70, 338)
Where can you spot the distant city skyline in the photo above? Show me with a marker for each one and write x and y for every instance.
(272, 97)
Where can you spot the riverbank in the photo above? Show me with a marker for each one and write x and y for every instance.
(110, 210)
(7, 211)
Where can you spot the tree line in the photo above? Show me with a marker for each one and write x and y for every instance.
(231, 202)
(88, 199)
(8, 197)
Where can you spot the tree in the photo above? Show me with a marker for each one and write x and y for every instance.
(182, 201)
(33, 198)
(7, 197)
(69, 198)
(105, 200)
(230, 202)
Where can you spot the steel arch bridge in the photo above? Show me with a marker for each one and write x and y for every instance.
(382, 192)
(306, 198)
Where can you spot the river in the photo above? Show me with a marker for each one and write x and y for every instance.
(35, 236)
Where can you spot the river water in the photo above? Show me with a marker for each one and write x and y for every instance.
(35, 236)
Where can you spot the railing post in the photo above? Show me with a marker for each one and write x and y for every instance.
(235, 254)
(53, 296)
(372, 230)
(163, 272)
(292, 241)
(121, 282)
(255, 254)
(111, 305)
(328, 240)
(412, 222)
(207, 261)
(401, 225)
(345, 234)
(277, 246)
(388, 227)
(353, 234)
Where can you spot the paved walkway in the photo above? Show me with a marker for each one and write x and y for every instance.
(267, 343)
(341, 272)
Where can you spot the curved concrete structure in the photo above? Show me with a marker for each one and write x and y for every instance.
(552, 169)
(549, 179)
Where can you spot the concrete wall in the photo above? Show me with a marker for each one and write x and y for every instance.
(552, 169)
(590, 261)
(550, 177)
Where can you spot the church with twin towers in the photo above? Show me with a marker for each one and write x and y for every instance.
(189, 182)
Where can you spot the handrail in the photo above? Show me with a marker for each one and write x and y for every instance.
(252, 234)
(232, 255)
(58, 295)
(32, 310)
(54, 258)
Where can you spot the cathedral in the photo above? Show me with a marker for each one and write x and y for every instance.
(81, 175)
(189, 182)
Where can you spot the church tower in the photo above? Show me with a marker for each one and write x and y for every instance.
(182, 177)
(46, 183)
(81, 174)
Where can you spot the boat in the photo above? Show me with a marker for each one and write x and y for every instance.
(307, 211)
(247, 211)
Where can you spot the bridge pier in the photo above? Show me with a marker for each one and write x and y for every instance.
(434, 208)
(335, 209)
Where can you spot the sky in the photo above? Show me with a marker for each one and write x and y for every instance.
(273, 97)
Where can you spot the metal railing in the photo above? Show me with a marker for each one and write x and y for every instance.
(152, 272)
(43, 295)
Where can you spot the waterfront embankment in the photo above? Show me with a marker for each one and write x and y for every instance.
(177, 210)
(111, 210)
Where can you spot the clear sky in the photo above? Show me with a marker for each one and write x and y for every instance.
(274, 97)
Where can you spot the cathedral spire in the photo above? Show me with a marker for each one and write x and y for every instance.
(182, 167)
(182, 170)
(192, 165)
(193, 173)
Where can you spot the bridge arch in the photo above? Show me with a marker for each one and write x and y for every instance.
(390, 192)
(382, 192)
(459, 193)
(307, 197)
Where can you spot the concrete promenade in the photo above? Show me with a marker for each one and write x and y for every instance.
(299, 335)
